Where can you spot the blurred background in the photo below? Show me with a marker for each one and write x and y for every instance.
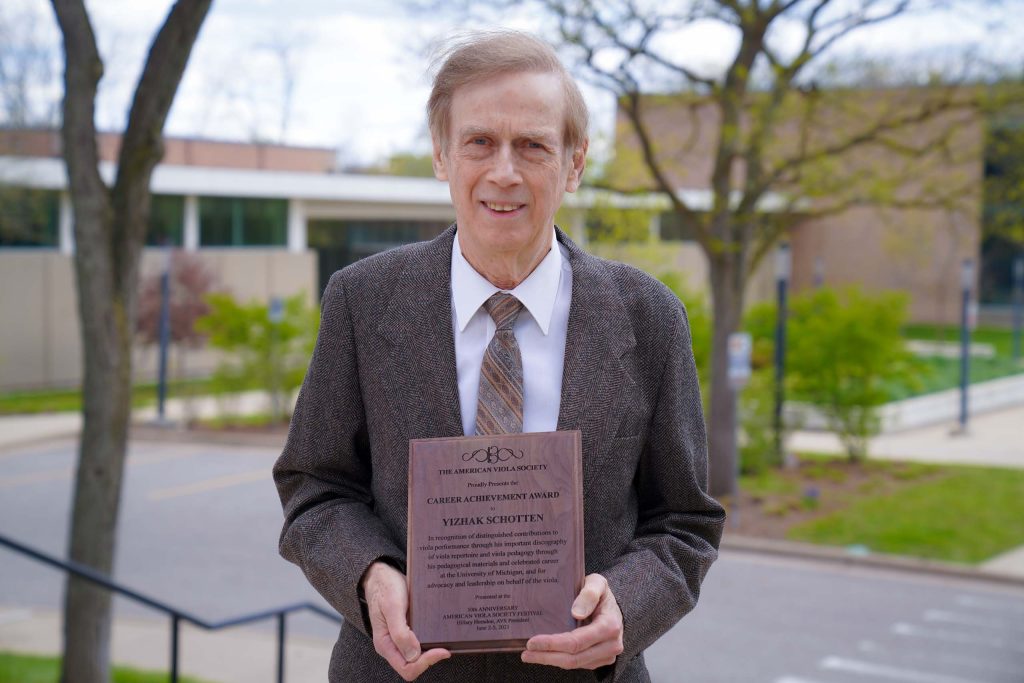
(834, 188)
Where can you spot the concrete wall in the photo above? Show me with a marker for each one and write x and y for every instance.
(917, 252)
(688, 260)
(39, 331)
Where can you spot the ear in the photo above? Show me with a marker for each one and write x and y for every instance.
(440, 169)
(579, 164)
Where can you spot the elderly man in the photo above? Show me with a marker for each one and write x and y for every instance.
(407, 349)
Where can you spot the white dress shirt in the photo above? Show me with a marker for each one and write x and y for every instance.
(540, 331)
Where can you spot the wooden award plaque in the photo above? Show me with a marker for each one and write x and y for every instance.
(495, 543)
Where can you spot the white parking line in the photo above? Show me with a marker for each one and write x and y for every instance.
(990, 604)
(904, 629)
(873, 648)
(891, 672)
(944, 617)
(211, 484)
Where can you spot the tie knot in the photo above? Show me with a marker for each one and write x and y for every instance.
(504, 309)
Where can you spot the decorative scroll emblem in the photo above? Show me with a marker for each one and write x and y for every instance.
(492, 454)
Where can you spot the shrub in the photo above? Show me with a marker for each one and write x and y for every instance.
(842, 349)
(271, 356)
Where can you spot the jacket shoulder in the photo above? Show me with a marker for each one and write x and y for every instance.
(375, 277)
(643, 296)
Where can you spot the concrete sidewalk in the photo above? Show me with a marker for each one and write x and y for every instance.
(995, 439)
(17, 430)
(240, 655)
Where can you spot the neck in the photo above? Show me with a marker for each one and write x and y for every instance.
(506, 271)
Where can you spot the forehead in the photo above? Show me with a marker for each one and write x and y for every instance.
(510, 102)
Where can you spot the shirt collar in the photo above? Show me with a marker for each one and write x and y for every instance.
(537, 292)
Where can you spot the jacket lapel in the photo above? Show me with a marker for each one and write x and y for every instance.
(417, 326)
(595, 384)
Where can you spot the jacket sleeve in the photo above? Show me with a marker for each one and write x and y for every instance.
(323, 475)
(656, 581)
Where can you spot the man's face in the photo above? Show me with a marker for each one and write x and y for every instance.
(506, 164)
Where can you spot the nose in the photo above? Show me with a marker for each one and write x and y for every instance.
(504, 172)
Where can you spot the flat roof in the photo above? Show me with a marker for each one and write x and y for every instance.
(51, 174)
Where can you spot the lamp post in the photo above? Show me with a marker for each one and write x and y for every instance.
(1018, 304)
(966, 284)
(783, 264)
(165, 337)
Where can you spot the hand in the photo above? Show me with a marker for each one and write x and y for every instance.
(387, 601)
(593, 645)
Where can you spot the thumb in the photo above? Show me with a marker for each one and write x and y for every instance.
(401, 635)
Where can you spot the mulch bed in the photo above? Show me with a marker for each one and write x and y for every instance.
(815, 488)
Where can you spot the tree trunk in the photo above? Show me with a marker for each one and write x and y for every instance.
(106, 401)
(727, 284)
(110, 227)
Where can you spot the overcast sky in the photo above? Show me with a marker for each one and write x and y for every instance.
(360, 72)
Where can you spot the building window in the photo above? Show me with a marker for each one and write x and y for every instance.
(236, 222)
(166, 221)
(341, 242)
(1003, 212)
(29, 218)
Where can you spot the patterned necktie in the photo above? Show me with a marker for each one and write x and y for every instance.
(500, 400)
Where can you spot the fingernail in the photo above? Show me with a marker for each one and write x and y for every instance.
(410, 654)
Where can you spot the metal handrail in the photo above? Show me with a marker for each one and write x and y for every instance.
(177, 615)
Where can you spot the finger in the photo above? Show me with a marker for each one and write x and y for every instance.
(409, 671)
(602, 654)
(393, 603)
(398, 629)
(576, 641)
(594, 587)
(413, 670)
(387, 649)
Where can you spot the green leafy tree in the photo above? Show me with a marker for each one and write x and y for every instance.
(260, 353)
(773, 132)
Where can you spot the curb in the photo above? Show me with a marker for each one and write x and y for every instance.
(141, 431)
(843, 557)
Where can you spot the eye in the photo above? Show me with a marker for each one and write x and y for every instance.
(479, 141)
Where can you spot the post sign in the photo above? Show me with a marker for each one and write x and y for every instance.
(276, 311)
(739, 359)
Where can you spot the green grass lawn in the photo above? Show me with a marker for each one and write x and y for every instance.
(962, 514)
(61, 400)
(18, 668)
(1000, 339)
(944, 373)
(243, 421)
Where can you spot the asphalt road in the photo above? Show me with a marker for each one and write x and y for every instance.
(199, 529)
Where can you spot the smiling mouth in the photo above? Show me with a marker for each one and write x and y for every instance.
(499, 207)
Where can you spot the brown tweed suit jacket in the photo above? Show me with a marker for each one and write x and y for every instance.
(383, 372)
